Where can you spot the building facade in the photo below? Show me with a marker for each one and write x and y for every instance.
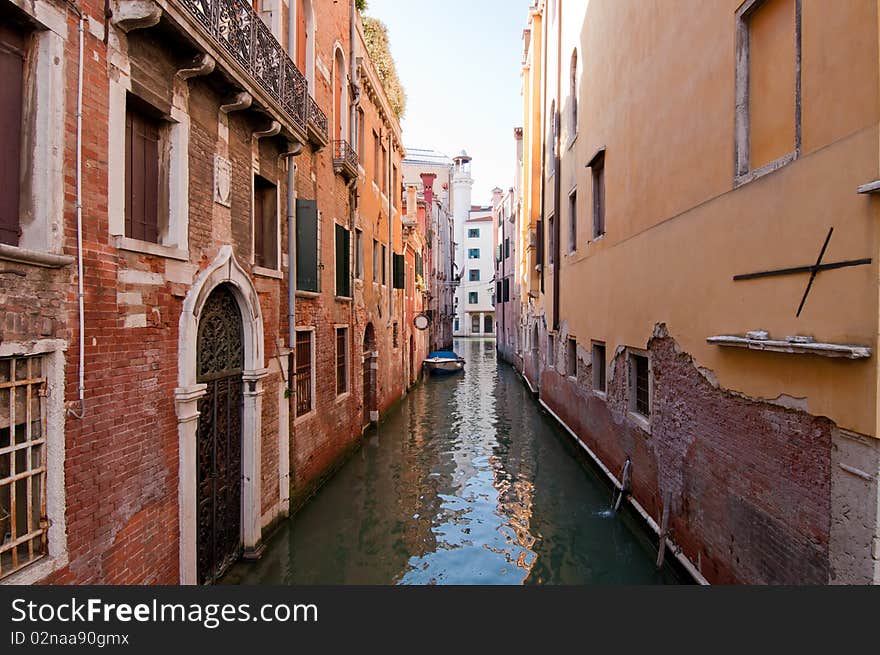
(192, 335)
(508, 302)
(429, 173)
(665, 327)
(474, 257)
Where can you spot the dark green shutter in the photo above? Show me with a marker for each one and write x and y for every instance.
(343, 265)
(307, 245)
(399, 278)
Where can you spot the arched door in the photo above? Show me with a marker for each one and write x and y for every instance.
(220, 364)
(369, 373)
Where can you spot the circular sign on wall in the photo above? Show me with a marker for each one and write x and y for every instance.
(421, 322)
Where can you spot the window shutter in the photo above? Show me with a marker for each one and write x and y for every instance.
(307, 245)
(141, 176)
(399, 267)
(259, 219)
(12, 74)
(343, 267)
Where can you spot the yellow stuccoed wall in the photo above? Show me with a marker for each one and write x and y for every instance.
(678, 231)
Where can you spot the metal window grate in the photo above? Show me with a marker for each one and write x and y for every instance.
(640, 384)
(23, 523)
(303, 373)
(341, 361)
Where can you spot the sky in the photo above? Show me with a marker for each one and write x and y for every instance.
(459, 63)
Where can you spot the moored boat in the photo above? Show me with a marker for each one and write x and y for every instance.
(443, 362)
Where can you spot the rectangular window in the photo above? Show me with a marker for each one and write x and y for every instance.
(377, 164)
(507, 248)
(571, 358)
(572, 221)
(539, 235)
(399, 271)
(265, 223)
(597, 165)
(768, 86)
(307, 246)
(361, 146)
(395, 189)
(473, 253)
(141, 175)
(474, 275)
(12, 58)
(23, 463)
(456, 324)
(341, 361)
(359, 254)
(304, 371)
(384, 173)
(551, 231)
(395, 335)
(551, 350)
(499, 292)
(473, 298)
(475, 324)
(343, 262)
(474, 233)
(507, 289)
(598, 367)
(384, 264)
(375, 260)
(639, 385)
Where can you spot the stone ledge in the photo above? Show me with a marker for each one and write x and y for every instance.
(34, 257)
(793, 348)
(148, 248)
(870, 187)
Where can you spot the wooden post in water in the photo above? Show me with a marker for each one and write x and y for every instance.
(664, 528)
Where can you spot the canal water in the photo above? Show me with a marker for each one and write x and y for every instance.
(466, 481)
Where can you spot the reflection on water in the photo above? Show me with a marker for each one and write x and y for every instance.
(466, 482)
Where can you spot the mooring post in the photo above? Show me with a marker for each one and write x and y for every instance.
(664, 528)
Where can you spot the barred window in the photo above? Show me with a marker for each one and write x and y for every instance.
(303, 372)
(23, 523)
(341, 361)
(640, 398)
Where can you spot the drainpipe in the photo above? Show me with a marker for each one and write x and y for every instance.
(79, 226)
(295, 149)
(390, 229)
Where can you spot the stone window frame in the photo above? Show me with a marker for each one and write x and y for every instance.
(53, 353)
(312, 374)
(336, 329)
(41, 217)
(174, 217)
(640, 419)
(742, 173)
(571, 352)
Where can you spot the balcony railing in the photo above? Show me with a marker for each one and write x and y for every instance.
(236, 28)
(345, 159)
(317, 123)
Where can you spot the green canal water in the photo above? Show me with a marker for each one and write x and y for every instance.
(467, 482)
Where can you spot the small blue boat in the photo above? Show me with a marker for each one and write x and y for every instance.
(443, 362)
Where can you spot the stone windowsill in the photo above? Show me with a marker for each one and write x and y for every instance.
(307, 294)
(870, 187)
(643, 422)
(34, 257)
(343, 299)
(793, 347)
(148, 248)
(268, 272)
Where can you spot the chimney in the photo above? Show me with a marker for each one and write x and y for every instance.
(497, 194)
(428, 182)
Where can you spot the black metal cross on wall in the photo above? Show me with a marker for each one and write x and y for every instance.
(812, 270)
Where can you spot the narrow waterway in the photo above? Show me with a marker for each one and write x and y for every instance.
(467, 481)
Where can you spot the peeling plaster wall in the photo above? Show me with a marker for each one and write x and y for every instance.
(757, 494)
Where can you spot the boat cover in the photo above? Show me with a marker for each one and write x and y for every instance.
(442, 354)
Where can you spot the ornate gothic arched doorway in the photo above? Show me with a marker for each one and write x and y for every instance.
(219, 448)
(370, 364)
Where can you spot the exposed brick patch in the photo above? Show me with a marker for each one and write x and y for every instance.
(749, 481)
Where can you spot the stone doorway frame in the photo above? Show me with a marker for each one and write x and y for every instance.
(224, 269)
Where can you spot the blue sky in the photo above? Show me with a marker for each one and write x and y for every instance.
(459, 61)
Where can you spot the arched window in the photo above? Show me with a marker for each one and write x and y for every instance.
(574, 93)
(339, 104)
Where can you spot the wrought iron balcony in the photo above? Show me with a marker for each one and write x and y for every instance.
(234, 26)
(345, 159)
(317, 124)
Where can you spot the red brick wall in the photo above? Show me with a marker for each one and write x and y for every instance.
(749, 481)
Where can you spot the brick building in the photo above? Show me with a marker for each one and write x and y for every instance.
(191, 327)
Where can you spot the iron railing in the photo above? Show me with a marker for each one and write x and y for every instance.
(236, 28)
(344, 156)
(317, 119)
